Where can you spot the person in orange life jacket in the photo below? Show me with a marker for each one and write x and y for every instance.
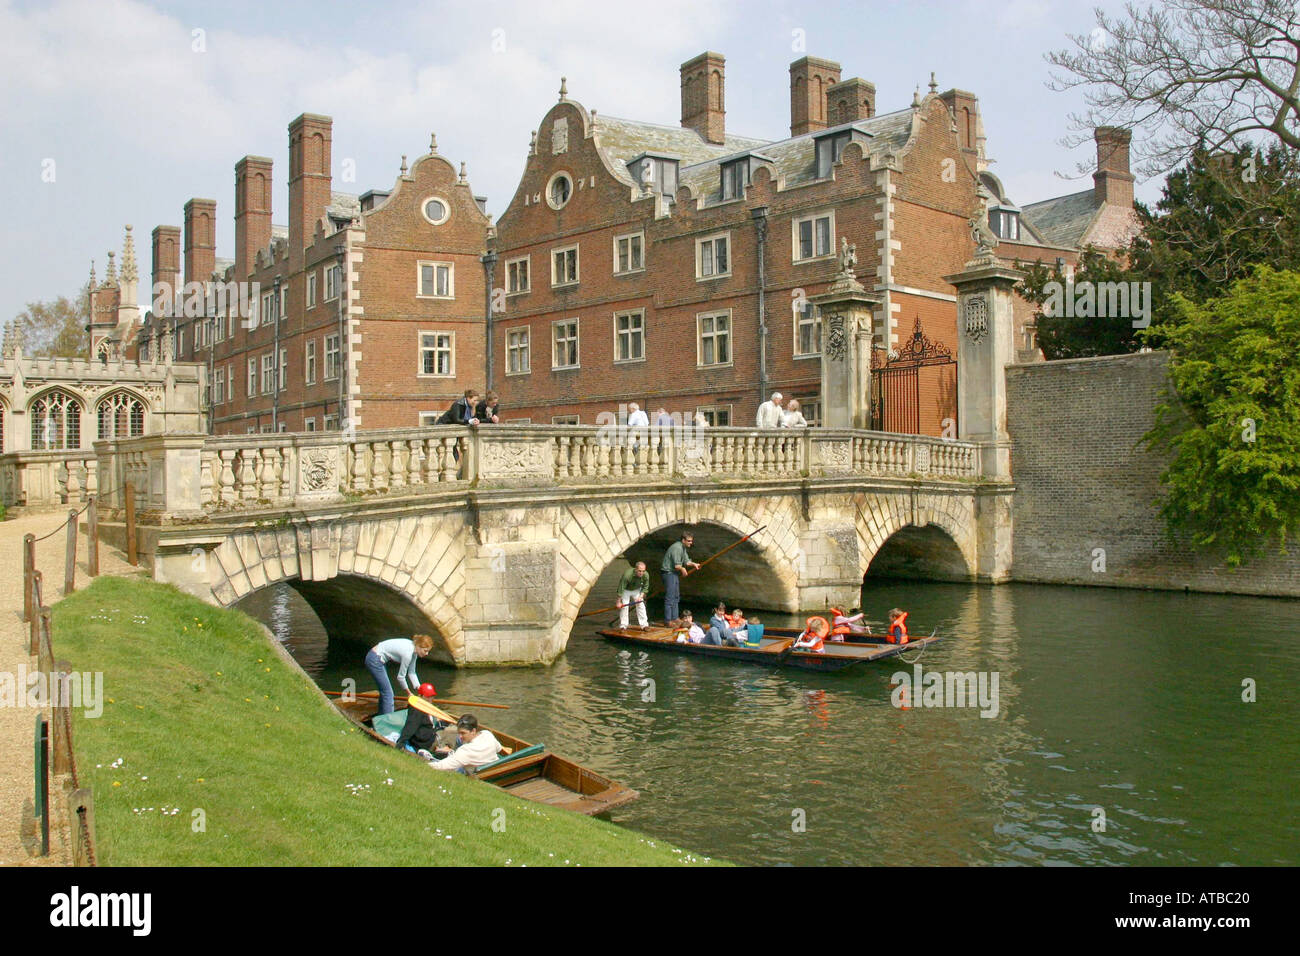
(897, 627)
(813, 636)
(420, 732)
(842, 624)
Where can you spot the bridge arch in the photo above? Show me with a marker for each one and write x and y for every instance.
(351, 569)
(931, 537)
(599, 536)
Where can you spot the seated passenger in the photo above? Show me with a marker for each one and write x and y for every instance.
(842, 624)
(739, 628)
(897, 627)
(689, 630)
(813, 636)
(476, 747)
(720, 629)
(420, 732)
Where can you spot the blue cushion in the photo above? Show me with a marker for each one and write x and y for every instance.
(755, 633)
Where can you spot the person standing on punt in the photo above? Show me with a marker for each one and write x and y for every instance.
(476, 748)
(402, 651)
(676, 565)
(634, 588)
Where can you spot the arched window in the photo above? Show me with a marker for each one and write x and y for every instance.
(56, 422)
(121, 415)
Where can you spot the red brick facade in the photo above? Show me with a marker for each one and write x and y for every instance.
(671, 316)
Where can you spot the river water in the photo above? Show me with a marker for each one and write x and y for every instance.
(1121, 734)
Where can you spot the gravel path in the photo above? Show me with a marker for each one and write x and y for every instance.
(19, 840)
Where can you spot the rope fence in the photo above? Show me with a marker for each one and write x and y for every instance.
(55, 755)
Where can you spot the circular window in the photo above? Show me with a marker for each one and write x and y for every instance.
(558, 190)
(436, 211)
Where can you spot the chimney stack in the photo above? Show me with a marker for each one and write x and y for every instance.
(1112, 182)
(200, 240)
(309, 180)
(810, 79)
(965, 110)
(703, 104)
(850, 101)
(166, 264)
(252, 212)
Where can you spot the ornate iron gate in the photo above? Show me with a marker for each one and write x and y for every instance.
(896, 382)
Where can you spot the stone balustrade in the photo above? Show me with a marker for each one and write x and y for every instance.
(195, 474)
(41, 480)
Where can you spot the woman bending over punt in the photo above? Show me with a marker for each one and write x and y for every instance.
(402, 651)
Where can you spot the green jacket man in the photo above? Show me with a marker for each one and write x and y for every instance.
(633, 589)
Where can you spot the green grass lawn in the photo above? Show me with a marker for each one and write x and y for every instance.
(211, 750)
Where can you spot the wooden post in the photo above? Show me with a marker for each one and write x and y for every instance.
(44, 649)
(29, 566)
(81, 817)
(92, 538)
(70, 561)
(34, 644)
(60, 714)
(131, 557)
(42, 801)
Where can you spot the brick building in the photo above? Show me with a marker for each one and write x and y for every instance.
(669, 265)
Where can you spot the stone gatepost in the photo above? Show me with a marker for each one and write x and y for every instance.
(846, 311)
(986, 346)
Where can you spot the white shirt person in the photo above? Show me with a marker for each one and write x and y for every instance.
(769, 413)
(793, 417)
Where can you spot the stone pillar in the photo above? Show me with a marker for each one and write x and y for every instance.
(986, 345)
(846, 313)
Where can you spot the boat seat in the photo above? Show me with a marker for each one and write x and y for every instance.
(529, 751)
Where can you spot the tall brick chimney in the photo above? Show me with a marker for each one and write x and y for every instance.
(810, 79)
(166, 262)
(1112, 182)
(703, 101)
(965, 109)
(850, 101)
(252, 212)
(200, 240)
(309, 179)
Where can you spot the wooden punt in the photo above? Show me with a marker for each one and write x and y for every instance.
(774, 650)
(529, 771)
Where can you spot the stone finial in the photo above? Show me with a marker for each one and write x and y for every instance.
(15, 338)
(129, 271)
(92, 273)
(934, 87)
(532, 143)
(463, 175)
(916, 96)
(846, 280)
(110, 277)
(402, 171)
(593, 121)
(433, 144)
(564, 88)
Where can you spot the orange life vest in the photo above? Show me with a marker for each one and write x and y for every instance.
(817, 646)
(901, 624)
(839, 630)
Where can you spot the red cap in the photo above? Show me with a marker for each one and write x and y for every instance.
(427, 690)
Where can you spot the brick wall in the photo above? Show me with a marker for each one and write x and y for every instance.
(1084, 480)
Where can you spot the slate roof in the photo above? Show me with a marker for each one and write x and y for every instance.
(1065, 220)
(622, 140)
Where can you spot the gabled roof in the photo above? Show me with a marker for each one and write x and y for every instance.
(623, 140)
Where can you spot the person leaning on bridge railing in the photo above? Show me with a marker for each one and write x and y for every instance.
(460, 413)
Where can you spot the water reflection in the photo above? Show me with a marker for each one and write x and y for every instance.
(1127, 702)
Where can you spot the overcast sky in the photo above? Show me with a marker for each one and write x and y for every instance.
(118, 111)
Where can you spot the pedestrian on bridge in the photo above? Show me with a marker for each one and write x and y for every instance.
(676, 565)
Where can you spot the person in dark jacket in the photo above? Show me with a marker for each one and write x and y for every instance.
(420, 732)
(486, 410)
(461, 411)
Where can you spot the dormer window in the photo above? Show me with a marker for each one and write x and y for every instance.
(735, 177)
(658, 171)
(1005, 222)
(829, 149)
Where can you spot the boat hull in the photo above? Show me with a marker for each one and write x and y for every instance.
(774, 651)
(542, 778)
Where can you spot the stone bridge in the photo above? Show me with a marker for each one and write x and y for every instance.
(493, 539)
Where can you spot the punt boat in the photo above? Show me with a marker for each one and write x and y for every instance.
(528, 771)
(775, 648)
